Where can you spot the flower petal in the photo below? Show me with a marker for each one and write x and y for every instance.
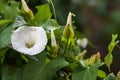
(35, 36)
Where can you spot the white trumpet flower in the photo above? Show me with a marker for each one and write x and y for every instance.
(29, 40)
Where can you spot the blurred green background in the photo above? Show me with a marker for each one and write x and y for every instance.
(97, 19)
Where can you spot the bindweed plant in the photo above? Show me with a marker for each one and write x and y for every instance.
(33, 46)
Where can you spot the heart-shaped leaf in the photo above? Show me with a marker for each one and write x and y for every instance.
(43, 71)
(85, 73)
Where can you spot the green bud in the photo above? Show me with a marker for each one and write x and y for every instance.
(81, 55)
(68, 30)
(93, 59)
(54, 44)
(27, 10)
(118, 75)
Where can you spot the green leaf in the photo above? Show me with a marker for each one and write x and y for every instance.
(13, 58)
(101, 74)
(2, 22)
(110, 77)
(43, 13)
(33, 70)
(85, 73)
(13, 66)
(109, 58)
(12, 73)
(43, 71)
(50, 24)
(2, 52)
(17, 73)
(9, 9)
(5, 37)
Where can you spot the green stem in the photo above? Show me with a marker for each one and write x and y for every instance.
(54, 12)
(24, 57)
(118, 47)
(66, 46)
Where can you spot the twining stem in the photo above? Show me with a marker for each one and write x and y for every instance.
(54, 12)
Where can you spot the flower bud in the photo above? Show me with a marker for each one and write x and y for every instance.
(54, 44)
(27, 10)
(118, 75)
(81, 55)
(68, 30)
(93, 59)
(82, 42)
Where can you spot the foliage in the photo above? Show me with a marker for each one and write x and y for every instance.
(66, 62)
(86, 72)
(10, 9)
(42, 10)
(109, 57)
